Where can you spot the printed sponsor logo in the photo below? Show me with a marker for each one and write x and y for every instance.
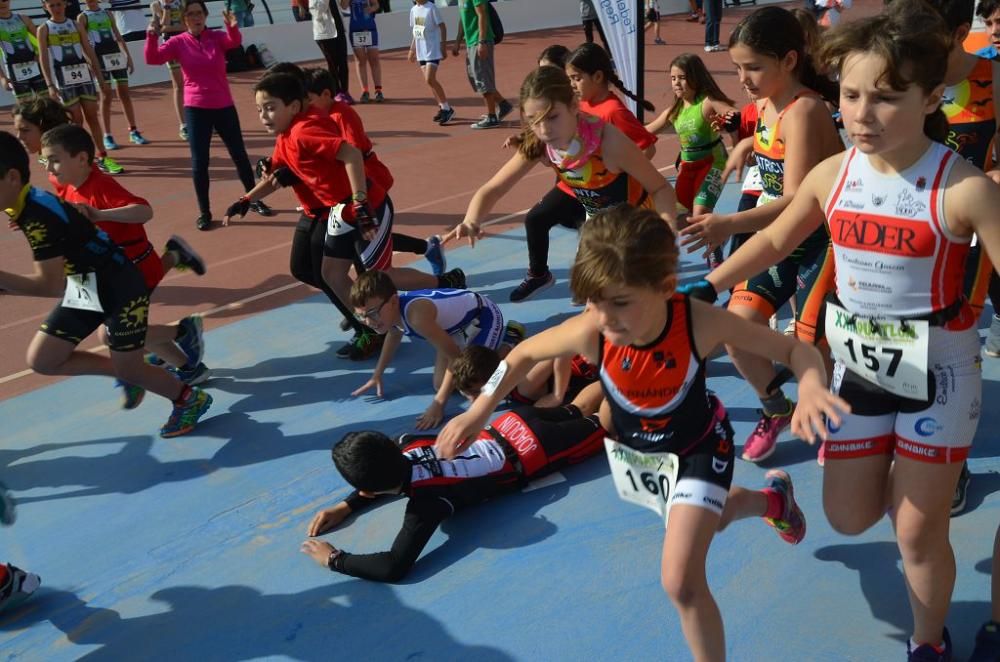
(712, 501)
(917, 449)
(626, 363)
(870, 330)
(975, 409)
(907, 205)
(845, 447)
(719, 466)
(854, 185)
(517, 434)
(878, 200)
(927, 426)
(882, 234)
(847, 203)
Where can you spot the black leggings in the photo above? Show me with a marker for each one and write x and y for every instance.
(306, 263)
(335, 52)
(555, 208)
(588, 32)
(201, 123)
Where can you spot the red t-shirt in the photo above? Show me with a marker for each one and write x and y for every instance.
(354, 132)
(102, 191)
(748, 120)
(309, 149)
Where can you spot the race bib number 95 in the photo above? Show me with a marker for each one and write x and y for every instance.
(889, 353)
(645, 479)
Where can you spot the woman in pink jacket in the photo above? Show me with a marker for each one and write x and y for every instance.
(208, 102)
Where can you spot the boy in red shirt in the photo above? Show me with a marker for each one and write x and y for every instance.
(311, 153)
(69, 153)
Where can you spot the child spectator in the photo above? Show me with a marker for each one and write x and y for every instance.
(429, 35)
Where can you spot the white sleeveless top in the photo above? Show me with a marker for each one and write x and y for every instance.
(895, 256)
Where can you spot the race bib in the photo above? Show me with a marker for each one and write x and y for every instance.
(335, 223)
(115, 61)
(362, 39)
(76, 74)
(418, 32)
(81, 293)
(885, 352)
(26, 70)
(645, 479)
(753, 181)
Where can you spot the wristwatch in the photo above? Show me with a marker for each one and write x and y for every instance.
(333, 557)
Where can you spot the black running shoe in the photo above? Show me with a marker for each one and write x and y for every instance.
(532, 285)
(187, 257)
(454, 279)
(961, 491)
(446, 116)
(261, 208)
(204, 221)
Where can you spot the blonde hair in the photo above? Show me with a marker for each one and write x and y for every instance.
(624, 246)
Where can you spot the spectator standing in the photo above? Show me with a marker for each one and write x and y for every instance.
(428, 49)
(588, 14)
(474, 27)
(243, 11)
(130, 19)
(328, 31)
(364, 39)
(208, 101)
(713, 21)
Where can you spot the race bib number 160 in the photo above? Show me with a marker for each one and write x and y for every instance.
(645, 479)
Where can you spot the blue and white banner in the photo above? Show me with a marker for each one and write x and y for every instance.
(623, 22)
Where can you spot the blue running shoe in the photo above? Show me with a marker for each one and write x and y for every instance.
(193, 376)
(186, 414)
(132, 395)
(109, 143)
(137, 138)
(191, 341)
(153, 359)
(435, 255)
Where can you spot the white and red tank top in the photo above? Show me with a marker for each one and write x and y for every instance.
(895, 256)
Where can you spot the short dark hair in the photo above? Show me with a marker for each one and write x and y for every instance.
(43, 112)
(371, 285)
(286, 87)
(13, 156)
(955, 13)
(473, 368)
(204, 7)
(318, 80)
(556, 54)
(286, 68)
(987, 8)
(71, 137)
(370, 461)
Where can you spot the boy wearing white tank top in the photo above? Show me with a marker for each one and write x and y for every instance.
(450, 319)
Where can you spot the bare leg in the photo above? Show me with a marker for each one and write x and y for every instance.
(376, 65)
(361, 66)
(126, 100)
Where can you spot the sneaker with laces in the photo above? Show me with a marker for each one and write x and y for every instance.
(486, 122)
(929, 653)
(532, 285)
(365, 97)
(362, 346)
(514, 333)
(109, 143)
(379, 97)
(187, 257)
(992, 346)
(792, 525)
(203, 222)
(108, 165)
(192, 339)
(261, 208)
(437, 116)
(8, 507)
(183, 132)
(961, 491)
(446, 116)
(435, 255)
(505, 109)
(987, 643)
(186, 414)
(137, 138)
(19, 587)
(132, 395)
(192, 376)
(764, 438)
(454, 279)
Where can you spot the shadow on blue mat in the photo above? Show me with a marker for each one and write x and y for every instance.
(238, 622)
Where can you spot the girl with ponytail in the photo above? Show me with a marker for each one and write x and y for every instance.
(600, 165)
(794, 132)
(894, 181)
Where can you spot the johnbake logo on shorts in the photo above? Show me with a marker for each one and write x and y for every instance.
(882, 234)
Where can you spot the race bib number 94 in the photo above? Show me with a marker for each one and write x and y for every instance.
(76, 74)
(888, 353)
(645, 479)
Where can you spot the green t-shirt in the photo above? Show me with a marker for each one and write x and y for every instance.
(470, 22)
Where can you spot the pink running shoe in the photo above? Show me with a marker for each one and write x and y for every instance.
(792, 525)
(764, 438)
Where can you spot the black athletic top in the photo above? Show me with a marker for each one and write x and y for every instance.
(519, 444)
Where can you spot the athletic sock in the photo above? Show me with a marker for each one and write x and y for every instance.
(445, 106)
(101, 154)
(775, 504)
(776, 404)
(378, 88)
(939, 648)
(183, 397)
(364, 89)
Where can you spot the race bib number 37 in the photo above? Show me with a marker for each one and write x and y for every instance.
(645, 479)
(889, 353)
